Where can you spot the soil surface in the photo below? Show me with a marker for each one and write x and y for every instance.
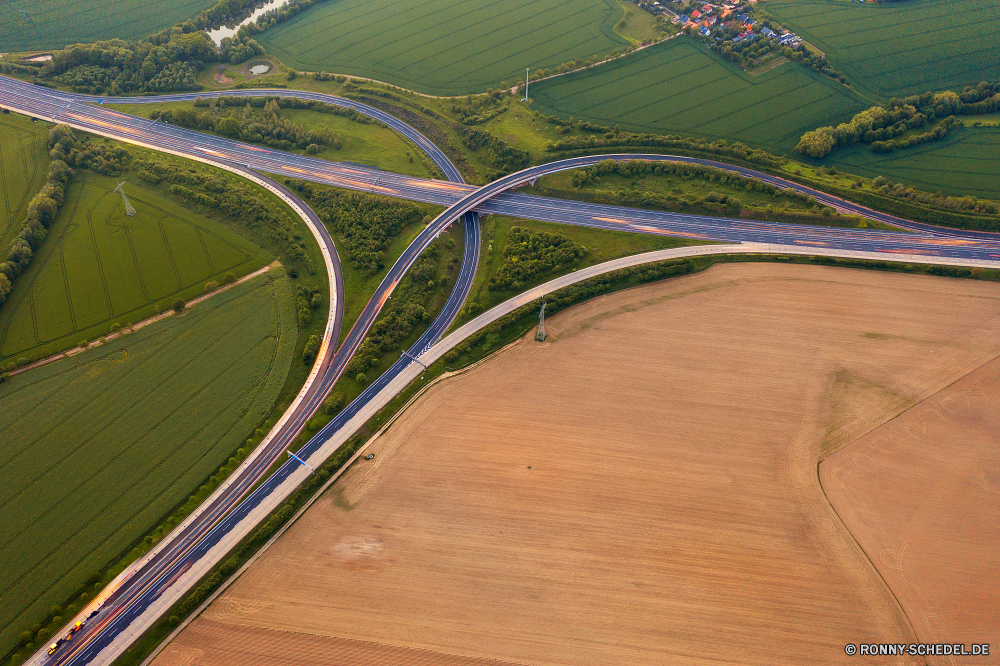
(921, 495)
(641, 488)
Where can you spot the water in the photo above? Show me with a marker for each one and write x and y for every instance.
(260, 69)
(219, 34)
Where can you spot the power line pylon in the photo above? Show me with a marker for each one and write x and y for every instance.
(540, 335)
(129, 210)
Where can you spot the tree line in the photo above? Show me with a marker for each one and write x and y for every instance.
(614, 138)
(500, 154)
(879, 126)
(232, 199)
(42, 212)
(529, 255)
(264, 127)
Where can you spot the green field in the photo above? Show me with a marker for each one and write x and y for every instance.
(24, 162)
(964, 163)
(98, 267)
(374, 145)
(35, 25)
(444, 47)
(900, 48)
(96, 449)
(681, 87)
(602, 245)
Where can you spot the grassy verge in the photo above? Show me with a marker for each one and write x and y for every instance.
(372, 144)
(601, 246)
(696, 190)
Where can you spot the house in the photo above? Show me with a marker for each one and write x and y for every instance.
(743, 17)
(737, 39)
(705, 31)
(695, 15)
(712, 21)
(707, 9)
(767, 32)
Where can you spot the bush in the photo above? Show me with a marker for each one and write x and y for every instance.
(310, 350)
(229, 279)
(211, 286)
(361, 378)
(178, 305)
(333, 403)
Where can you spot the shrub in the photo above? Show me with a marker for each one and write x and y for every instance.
(333, 403)
(229, 279)
(211, 286)
(361, 378)
(178, 305)
(310, 350)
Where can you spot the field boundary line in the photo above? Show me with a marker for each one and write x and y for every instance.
(145, 322)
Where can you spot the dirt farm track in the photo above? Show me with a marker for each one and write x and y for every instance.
(642, 488)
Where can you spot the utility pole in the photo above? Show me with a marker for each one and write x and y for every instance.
(129, 210)
(540, 335)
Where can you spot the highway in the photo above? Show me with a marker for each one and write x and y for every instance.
(176, 566)
(175, 554)
(68, 108)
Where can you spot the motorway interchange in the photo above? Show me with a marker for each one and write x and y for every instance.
(150, 586)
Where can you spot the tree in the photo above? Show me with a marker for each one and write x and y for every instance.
(310, 350)
(178, 305)
(230, 126)
(361, 378)
(333, 402)
(817, 143)
(4, 287)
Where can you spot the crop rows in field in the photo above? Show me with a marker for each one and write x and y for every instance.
(445, 47)
(901, 48)
(32, 25)
(965, 163)
(99, 266)
(96, 449)
(680, 87)
(23, 165)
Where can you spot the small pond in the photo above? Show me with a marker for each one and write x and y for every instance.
(262, 68)
(220, 33)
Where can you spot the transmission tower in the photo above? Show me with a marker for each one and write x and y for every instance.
(540, 336)
(129, 210)
(527, 80)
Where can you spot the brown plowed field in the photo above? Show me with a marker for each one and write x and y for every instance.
(922, 496)
(640, 489)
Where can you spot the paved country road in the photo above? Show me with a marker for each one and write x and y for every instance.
(146, 591)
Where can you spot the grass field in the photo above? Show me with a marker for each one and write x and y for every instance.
(963, 163)
(98, 267)
(24, 162)
(444, 47)
(900, 48)
(681, 87)
(96, 449)
(35, 25)
(602, 245)
(535, 510)
(365, 144)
